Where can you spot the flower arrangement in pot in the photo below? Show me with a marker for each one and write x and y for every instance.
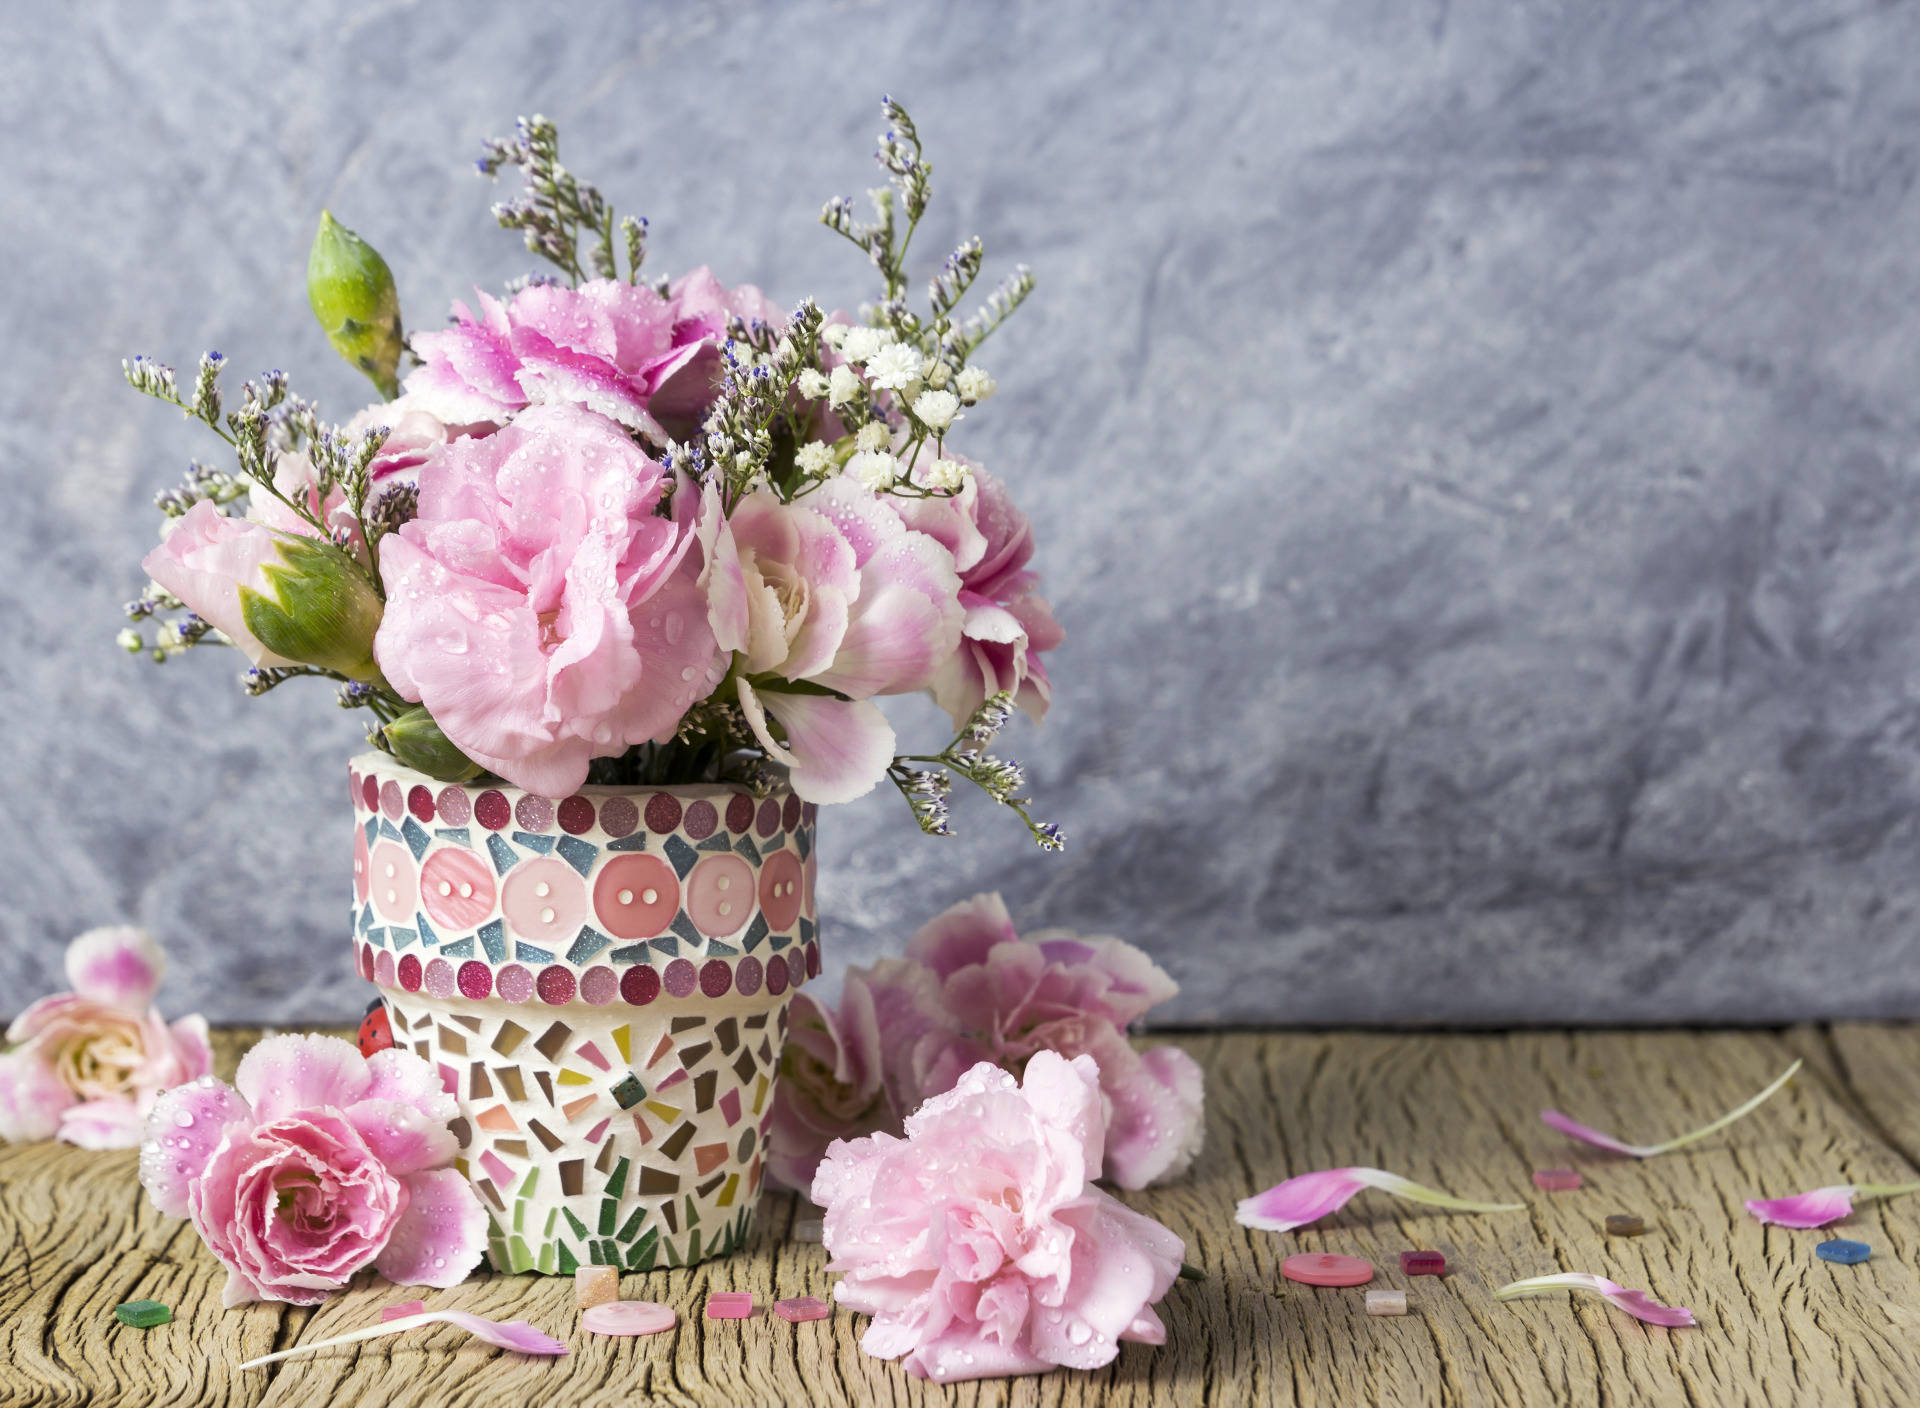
(618, 569)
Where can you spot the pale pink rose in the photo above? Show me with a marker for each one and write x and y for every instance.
(1008, 998)
(1009, 625)
(610, 346)
(831, 590)
(979, 1244)
(86, 1066)
(539, 607)
(317, 1163)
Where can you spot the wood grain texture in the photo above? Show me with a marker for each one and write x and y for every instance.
(1777, 1326)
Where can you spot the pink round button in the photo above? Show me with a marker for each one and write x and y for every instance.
(627, 1317)
(720, 895)
(395, 884)
(456, 889)
(780, 880)
(1326, 1269)
(544, 900)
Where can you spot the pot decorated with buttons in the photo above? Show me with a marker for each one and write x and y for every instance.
(602, 982)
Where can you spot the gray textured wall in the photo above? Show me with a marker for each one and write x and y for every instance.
(1474, 447)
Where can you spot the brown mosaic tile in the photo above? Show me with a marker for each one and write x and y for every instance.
(507, 1040)
(572, 1177)
(657, 1181)
(546, 1136)
(510, 1081)
(554, 1040)
(675, 1144)
(478, 1086)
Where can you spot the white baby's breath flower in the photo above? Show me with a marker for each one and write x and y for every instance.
(936, 409)
(893, 366)
(812, 383)
(874, 435)
(941, 475)
(129, 641)
(843, 386)
(938, 375)
(862, 343)
(873, 469)
(835, 334)
(814, 457)
(973, 384)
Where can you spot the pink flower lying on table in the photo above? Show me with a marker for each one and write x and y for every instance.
(972, 990)
(315, 1164)
(86, 1066)
(980, 1245)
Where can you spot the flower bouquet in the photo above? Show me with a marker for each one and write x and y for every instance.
(617, 568)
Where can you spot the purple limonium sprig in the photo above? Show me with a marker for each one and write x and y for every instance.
(1818, 1206)
(1566, 1124)
(1638, 1304)
(1308, 1197)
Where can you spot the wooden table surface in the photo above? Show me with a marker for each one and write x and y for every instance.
(1777, 1325)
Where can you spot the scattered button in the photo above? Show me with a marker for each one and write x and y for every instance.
(403, 1310)
(729, 1305)
(1326, 1269)
(1556, 1180)
(1423, 1263)
(596, 1285)
(145, 1314)
(1841, 1250)
(810, 1229)
(627, 1317)
(1624, 1224)
(798, 1308)
(1386, 1302)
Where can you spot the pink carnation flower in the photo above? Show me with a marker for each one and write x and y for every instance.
(971, 990)
(613, 347)
(1008, 625)
(1008, 998)
(86, 1066)
(315, 1164)
(831, 590)
(980, 1245)
(538, 606)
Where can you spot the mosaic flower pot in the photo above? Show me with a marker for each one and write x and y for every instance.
(602, 981)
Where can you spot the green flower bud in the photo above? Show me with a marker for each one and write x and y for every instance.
(417, 741)
(352, 293)
(315, 607)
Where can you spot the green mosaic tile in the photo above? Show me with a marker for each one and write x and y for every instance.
(568, 1262)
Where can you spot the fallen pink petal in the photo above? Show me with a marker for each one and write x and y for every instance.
(1586, 1134)
(1818, 1206)
(1308, 1197)
(1638, 1304)
(516, 1335)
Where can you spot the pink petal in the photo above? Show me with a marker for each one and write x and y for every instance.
(32, 1097)
(404, 1309)
(516, 1335)
(402, 1077)
(1566, 1124)
(402, 1138)
(1156, 1128)
(836, 749)
(961, 936)
(290, 1072)
(1638, 1304)
(186, 1126)
(103, 1124)
(439, 1238)
(192, 1046)
(1569, 1126)
(1814, 1208)
(1304, 1198)
(118, 966)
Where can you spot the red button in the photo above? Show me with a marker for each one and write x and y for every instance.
(1326, 1269)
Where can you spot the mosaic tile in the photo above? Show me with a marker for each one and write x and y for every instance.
(545, 1083)
(573, 1109)
(416, 837)
(720, 842)
(703, 1090)
(427, 936)
(675, 1143)
(493, 938)
(504, 856)
(657, 1181)
(680, 854)
(671, 1079)
(454, 835)
(578, 854)
(756, 933)
(529, 953)
(730, 1107)
(511, 1082)
(573, 1077)
(542, 844)
(746, 848)
(599, 1131)
(400, 938)
(547, 1137)
(632, 953)
(628, 843)
(590, 1053)
(572, 1173)
(590, 942)
(708, 1157)
(459, 948)
(478, 1086)
(509, 1037)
